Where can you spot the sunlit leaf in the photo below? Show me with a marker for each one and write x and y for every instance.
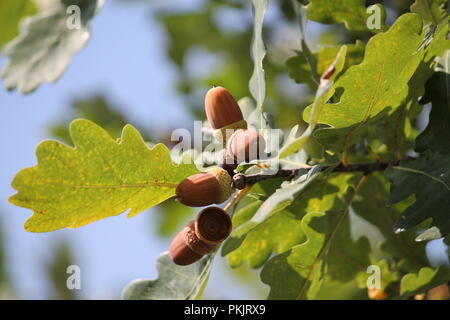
(426, 279)
(172, 215)
(277, 234)
(427, 177)
(99, 178)
(257, 83)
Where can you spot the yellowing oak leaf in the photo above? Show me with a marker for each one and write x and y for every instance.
(98, 178)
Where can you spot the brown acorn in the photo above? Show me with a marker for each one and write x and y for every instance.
(221, 108)
(223, 113)
(203, 189)
(246, 145)
(200, 236)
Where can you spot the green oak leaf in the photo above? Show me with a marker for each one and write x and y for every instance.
(370, 204)
(173, 283)
(352, 13)
(301, 270)
(281, 198)
(11, 13)
(436, 135)
(434, 45)
(46, 45)
(443, 63)
(431, 10)
(426, 279)
(307, 58)
(172, 215)
(257, 84)
(305, 265)
(98, 178)
(429, 180)
(98, 109)
(282, 230)
(334, 290)
(56, 269)
(299, 69)
(347, 258)
(277, 234)
(380, 83)
(294, 143)
(427, 177)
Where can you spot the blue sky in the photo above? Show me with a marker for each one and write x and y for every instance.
(127, 62)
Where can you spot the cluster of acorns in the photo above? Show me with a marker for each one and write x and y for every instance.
(213, 225)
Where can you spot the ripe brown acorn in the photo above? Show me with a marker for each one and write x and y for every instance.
(203, 189)
(223, 113)
(246, 145)
(200, 236)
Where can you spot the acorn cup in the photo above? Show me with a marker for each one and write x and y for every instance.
(205, 188)
(223, 113)
(246, 145)
(200, 236)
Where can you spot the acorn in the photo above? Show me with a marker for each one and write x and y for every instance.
(223, 113)
(246, 145)
(200, 236)
(203, 189)
(377, 294)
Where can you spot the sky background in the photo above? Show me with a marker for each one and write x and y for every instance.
(125, 60)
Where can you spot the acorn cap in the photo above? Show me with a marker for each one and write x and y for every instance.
(203, 189)
(221, 108)
(186, 248)
(246, 145)
(213, 225)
